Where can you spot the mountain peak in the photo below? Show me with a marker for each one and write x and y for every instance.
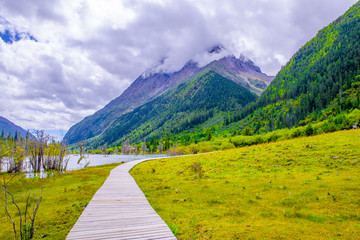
(161, 78)
(216, 49)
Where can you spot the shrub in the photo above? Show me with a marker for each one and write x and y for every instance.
(329, 127)
(354, 116)
(309, 131)
(227, 145)
(193, 148)
(207, 148)
(295, 133)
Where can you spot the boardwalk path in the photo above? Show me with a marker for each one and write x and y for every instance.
(119, 210)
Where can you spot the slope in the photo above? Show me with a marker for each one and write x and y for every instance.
(152, 84)
(187, 105)
(322, 74)
(142, 90)
(8, 128)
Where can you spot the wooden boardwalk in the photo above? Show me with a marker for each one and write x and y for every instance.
(119, 210)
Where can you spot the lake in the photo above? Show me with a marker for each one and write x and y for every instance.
(90, 160)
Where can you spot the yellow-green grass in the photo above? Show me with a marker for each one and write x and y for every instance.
(305, 188)
(64, 199)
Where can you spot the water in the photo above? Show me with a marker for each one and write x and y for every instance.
(90, 160)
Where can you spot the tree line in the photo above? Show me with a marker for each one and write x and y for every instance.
(37, 153)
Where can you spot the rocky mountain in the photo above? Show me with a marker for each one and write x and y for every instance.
(153, 83)
(188, 105)
(8, 128)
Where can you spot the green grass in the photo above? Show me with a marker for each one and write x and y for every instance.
(64, 199)
(306, 188)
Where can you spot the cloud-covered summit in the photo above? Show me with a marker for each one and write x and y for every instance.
(200, 58)
(87, 51)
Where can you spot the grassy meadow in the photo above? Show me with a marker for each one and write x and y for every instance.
(64, 199)
(304, 188)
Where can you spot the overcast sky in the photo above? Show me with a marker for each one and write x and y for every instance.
(61, 60)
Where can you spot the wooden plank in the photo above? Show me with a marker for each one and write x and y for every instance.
(119, 210)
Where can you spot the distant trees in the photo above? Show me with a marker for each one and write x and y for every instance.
(37, 148)
(12, 153)
(144, 147)
(160, 147)
(129, 149)
(41, 152)
(152, 146)
(55, 157)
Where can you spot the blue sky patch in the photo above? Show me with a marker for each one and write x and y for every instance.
(10, 36)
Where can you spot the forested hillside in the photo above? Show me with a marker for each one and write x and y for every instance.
(152, 84)
(190, 104)
(320, 81)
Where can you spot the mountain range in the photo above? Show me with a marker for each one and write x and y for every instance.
(320, 82)
(153, 87)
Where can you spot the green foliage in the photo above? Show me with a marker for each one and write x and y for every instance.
(340, 122)
(189, 105)
(354, 116)
(309, 131)
(208, 136)
(324, 72)
(12, 150)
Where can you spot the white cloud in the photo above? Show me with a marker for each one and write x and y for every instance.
(89, 51)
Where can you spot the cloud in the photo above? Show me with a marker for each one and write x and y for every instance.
(87, 52)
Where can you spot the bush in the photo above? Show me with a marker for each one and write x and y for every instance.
(227, 145)
(296, 132)
(354, 116)
(329, 127)
(259, 139)
(309, 131)
(207, 147)
(271, 137)
(193, 148)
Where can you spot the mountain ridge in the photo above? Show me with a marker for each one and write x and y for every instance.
(150, 85)
(319, 82)
(187, 105)
(9, 128)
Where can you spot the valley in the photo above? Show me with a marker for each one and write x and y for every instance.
(253, 156)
